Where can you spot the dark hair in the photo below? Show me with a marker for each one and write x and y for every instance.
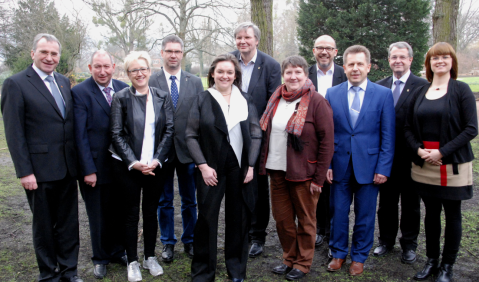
(294, 61)
(441, 48)
(355, 49)
(225, 58)
(171, 39)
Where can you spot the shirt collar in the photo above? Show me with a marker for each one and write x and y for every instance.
(362, 85)
(168, 75)
(403, 78)
(103, 87)
(253, 60)
(41, 73)
(331, 70)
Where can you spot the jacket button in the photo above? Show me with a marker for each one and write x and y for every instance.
(352, 135)
(348, 153)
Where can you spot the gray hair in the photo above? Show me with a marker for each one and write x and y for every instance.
(135, 56)
(245, 26)
(48, 38)
(357, 49)
(171, 39)
(101, 52)
(294, 61)
(401, 45)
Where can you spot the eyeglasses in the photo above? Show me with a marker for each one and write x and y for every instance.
(135, 71)
(321, 49)
(402, 58)
(171, 52)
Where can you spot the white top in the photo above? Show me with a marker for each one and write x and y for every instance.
(43, 75)
(403, 79)
(325, 80)
(351, 93)
(148, 147)
(168, 80)
(278, 139)
(247, 71)
(112, 91)
(234, 113)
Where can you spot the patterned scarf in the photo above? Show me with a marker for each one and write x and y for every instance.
(296, 122)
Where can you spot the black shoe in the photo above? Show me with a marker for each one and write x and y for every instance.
(381, 250)
(189, 250)
(330, 255)
(256, 250)
(237, 280)
(99, 271)
(430, 268)
(408, 256)
(319, 240)
(168, 252)
(75, 279)
(295, 274)
(282, 269)
(445, 273)
(123, 260)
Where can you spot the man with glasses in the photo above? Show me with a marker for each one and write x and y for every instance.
(324, 75)
(183, 88)
(402, 83)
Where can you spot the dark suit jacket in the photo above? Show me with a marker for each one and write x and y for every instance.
(402, 156)
(40, 140)
(190, 86)
(127, 124)
(206, 133)
(92, 129)
(370, 143)
(338, 76)
(266, 77)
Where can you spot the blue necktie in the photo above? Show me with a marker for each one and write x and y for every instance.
(397, 91)
(56, 95)
(174, 91)
(355, 106)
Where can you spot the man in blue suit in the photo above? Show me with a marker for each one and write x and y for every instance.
(91, 102)
(364, 134)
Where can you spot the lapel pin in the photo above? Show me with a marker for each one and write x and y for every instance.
(408, 90)
(259, 67)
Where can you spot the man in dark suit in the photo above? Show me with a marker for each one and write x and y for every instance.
(91, 103)
(183, 88)
(261, 75)
(37, 112)
(402, 83)
(324, 75)
(364, 129)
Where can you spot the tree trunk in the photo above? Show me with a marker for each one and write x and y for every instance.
(262, 16)
(444, 22)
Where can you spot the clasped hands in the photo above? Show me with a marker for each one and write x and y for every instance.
(146, 169)
(211, 178)
(432, 156)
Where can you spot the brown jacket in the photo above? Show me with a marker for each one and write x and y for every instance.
(313, 161)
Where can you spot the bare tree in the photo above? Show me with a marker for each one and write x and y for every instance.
(262, 16)
(444, 21)
(285, 34)
(467, 24)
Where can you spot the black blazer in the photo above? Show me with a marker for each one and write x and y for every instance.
(338, 76)
(402, 154)
(459, 122)
(266, 77)
(207, 131)
(40, 140)
(92, 129)
(190, 86)
(127, 124)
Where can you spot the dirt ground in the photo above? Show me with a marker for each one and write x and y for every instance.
(17, 259)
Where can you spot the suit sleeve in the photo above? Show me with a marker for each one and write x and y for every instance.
(192, 133)
(274, 78)
(167, 138)
(388, 136)
(199, 86)
(13, 111)
(324, 126)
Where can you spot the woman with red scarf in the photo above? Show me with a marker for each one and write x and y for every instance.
(297, 150)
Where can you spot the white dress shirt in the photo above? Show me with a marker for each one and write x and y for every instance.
(168, 80)
(351, 93)
(403, 79)
(43, 75)
(112, 91)
(325, 80)
(247, 71)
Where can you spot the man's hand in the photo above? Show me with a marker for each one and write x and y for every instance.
(329, 176)
(314, 188)
(249, 175)
(209, 175)
(29, 182)
(379, 178)
(90, 179)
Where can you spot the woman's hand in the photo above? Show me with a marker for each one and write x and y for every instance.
(139, 166)
(209, 175)
(150, 168)
(249, 175)
(329, 176)
(314, 188)
(432, 156)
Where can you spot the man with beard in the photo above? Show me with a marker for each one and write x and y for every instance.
(324, 74)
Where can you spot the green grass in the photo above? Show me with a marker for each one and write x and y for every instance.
(472, 81)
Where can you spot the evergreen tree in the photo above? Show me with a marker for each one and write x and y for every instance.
(372, 23)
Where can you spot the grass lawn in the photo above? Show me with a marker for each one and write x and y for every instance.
(472, 81)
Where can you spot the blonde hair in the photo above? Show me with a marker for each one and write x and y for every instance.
(135, 56)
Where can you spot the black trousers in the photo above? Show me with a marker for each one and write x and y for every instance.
(388, 214)
(55, 227)
(453, 229)
(260, 216)
(237, 219)
(323, 220)
(133, 185)
(106, 215)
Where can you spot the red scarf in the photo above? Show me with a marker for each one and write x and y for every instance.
(296, 122)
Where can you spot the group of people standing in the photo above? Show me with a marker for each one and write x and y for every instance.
(326, 137)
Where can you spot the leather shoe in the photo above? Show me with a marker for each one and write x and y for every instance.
(237, 280)
(319, 240)
(75, 279)
(356, 268)
(295, 274)
(123, 260)
(99, 271)
(189, 250)
(445, 273)
(167, 253)
(430, 268)
(282, 269)
(330, 255)
(408, 256)
(256, 250)
(335, 264)
(381, 250)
